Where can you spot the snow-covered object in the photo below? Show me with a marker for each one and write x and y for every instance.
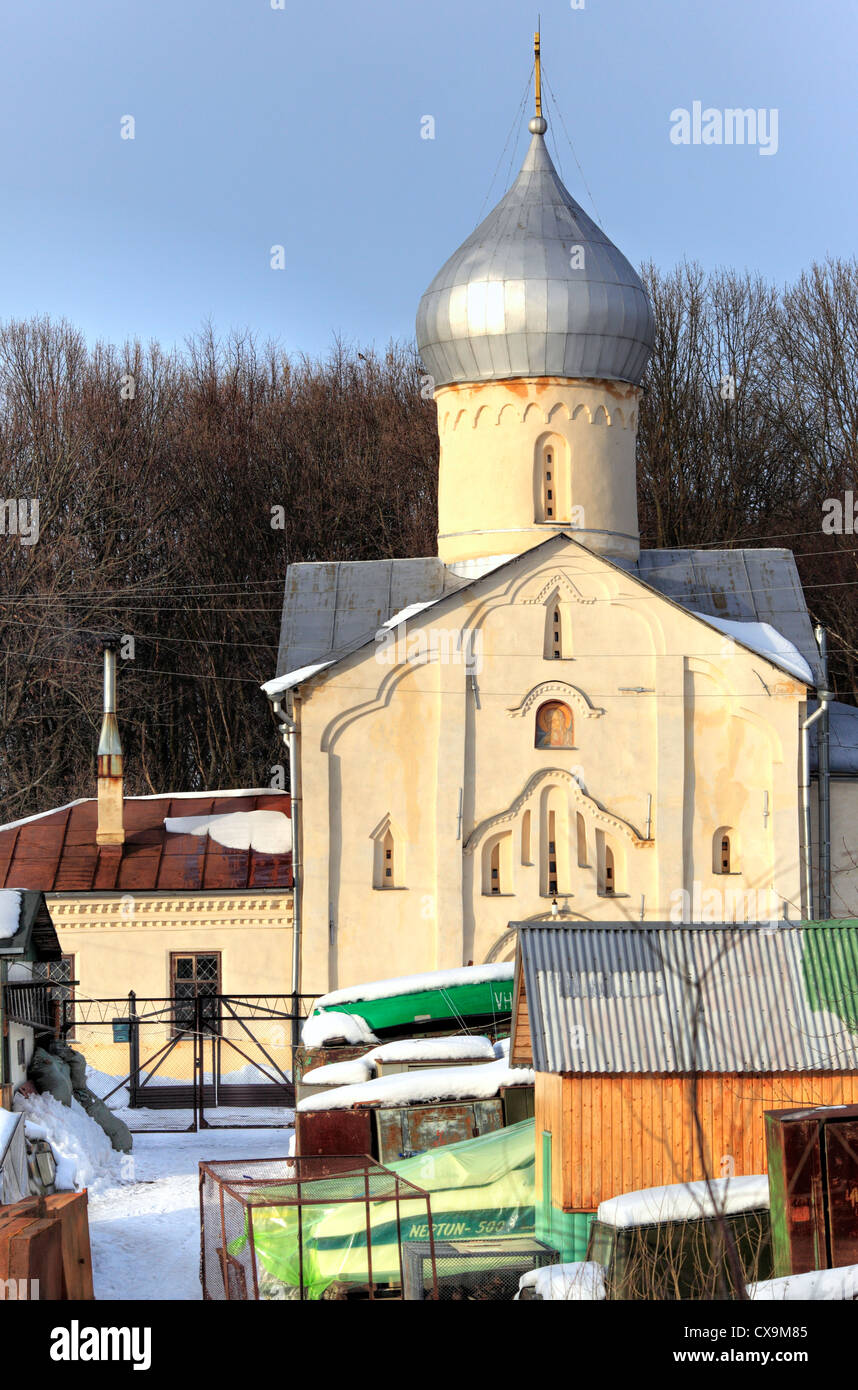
(501, 1049)
(81, 1148)
(416, 984)
(819, 1285)
(400, 1050)
(10, 913)
(350, 1073)
(320, 1029)
(766, 641)
(411, 611)
(686, 1201)
(584, 1280)
(267, 832)
(433, 1083)
(432, 1049)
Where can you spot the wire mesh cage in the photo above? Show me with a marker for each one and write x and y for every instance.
(478, 1270)
(305, 1228)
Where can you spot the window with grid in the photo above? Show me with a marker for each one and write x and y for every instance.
(60, 974)
(195, 974)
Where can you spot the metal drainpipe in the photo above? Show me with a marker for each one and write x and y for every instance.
(805, 799)
(824, 782)
(289, 732)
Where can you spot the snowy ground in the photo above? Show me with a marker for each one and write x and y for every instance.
(145, 1229)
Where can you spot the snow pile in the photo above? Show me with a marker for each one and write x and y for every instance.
(8, 1125)
(686, 1201)
(320, 1029)
(434, 1083)
(820, 1285)
(81, 1148)
(583, 1280)
(766, 641)
(10, 912)
(350, 1073)
(501, 1049)
(358, 1069)
(267, 832)
(417, 984)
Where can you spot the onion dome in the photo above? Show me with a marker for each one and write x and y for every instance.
(537, 290)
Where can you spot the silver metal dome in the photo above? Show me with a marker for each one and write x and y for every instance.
(536, 290)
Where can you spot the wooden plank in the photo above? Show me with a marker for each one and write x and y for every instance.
(34, 1258)
(70, 1209)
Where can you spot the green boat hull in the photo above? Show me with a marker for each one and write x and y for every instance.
(461, 1003)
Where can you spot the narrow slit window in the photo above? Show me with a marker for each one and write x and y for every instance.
(495, 869)
(610, 884)
(725, 854)
(552, 855)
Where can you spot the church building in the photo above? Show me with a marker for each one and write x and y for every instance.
(544, 721)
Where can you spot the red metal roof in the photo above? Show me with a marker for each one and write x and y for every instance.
(58, 853)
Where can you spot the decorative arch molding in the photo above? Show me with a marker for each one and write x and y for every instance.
(493, 415)
(557, 586)
(508, 938)
(564, 691)
(599, 814)
(647, 614)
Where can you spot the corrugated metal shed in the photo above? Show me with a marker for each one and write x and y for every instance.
(668, 999)
(57, 852)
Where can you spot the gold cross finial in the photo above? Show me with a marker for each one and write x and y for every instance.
(538, 73)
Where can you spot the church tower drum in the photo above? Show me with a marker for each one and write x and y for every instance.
(536, 333)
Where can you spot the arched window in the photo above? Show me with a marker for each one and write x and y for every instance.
(525, 839)
(557, 631)
(387, 847)
(610, 883)
(551, 489)
(554, 842)
(388, 856)
(497, 865)
(609, 866)
(552, 854)
(554, 726)
(549, 485)
(582, 839)
(725, 851)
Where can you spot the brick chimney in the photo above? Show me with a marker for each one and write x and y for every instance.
(111, 830)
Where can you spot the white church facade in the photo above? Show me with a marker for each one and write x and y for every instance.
(545, 721)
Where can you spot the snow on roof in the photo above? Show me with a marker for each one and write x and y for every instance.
(480, 1082)
(584, 1280)
(281, 684)
(766, 641)
(416, 984)
(10, 913)
(818, 1285)
(686, 1201)
(150, 796)
(267, 832)
(410, 611)
(323, 1028)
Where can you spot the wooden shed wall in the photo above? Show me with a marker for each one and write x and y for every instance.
(613, 1134)
(521, 1051)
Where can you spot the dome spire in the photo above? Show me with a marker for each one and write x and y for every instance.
(538, 125)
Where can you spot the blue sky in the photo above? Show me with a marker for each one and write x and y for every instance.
(300, 126)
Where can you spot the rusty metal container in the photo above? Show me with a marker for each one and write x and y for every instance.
(333, 1132)
(518, 1103)
(384, 1068)
(405, 1130)
(813, 1180)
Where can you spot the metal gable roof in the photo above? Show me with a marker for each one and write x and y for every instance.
(678, 999)
(332, 609)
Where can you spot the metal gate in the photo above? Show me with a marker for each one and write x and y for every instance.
(205, 1061)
